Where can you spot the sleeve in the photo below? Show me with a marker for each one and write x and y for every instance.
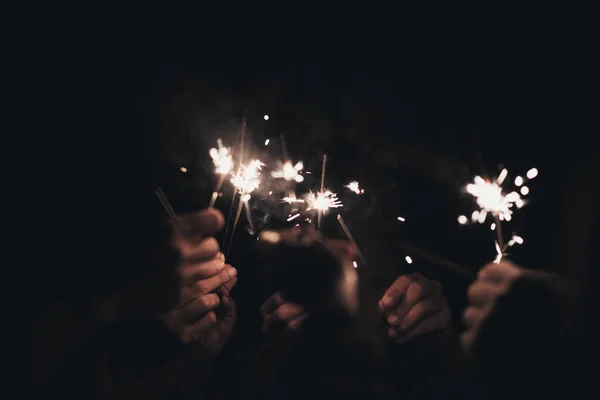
(534, 339)
(135, 359)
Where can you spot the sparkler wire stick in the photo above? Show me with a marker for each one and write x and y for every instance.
(320, 212)
(438, 260)
(351, 239)
(283, 148)
(215, 194)
(499, 232)
(237, 217)
(242, 135)
(165, 203)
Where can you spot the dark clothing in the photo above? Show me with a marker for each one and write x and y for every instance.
(532, 345)
(132, 359)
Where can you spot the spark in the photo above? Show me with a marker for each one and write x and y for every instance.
(291, 200)
(532, 173)
(183, 169)
(222, 158)
(401, 219)
(494, 202)
(293, 217)
(289, 172)
(248, 178)
(266, 117)
(354, 264)
(353, 186)
(323, 201)
(491, 199)
(267, 142)
(519, 181)
(500, 252)
(408, 259)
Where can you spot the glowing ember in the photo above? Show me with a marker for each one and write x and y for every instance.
(289, 172)
(323, 201)
(221, 158)
(491, 199)
(248, 179)
(353, 186)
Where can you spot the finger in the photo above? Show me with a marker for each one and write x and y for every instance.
(398, 289)
(422, 310)
(433, 323)
(473, 316)
(205, 222)
(271, 304)
(190, 273)
(195, 252)
(196, 331)
(198, 306)
(297, 322)
(213, 283)
(225, 290)
(481, 293)
(287, 312)
(498, 272)
(221, 331)
(219, 256)
(467, 339)
(416, 292)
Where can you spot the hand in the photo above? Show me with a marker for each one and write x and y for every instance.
(413, 306)
(277, 314)
(205, 313)
(493, 281)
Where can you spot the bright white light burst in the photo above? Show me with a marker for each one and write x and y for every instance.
(289, 172)
(248, 178)
(492, 200)
(221, 158)
(354, 186)
(323, 201)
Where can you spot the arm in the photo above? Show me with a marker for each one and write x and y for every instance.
(531, 336)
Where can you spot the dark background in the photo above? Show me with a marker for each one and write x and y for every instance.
(117, 105)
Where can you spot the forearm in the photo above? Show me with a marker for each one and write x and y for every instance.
(534, 337)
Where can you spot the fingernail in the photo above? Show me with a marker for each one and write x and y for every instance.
(232, 272)
(387, 301)
(221, 256)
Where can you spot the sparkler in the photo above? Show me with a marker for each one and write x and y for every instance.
(322, 201)
(223, 162)
(289, 172)
(352, 241)
(165, 202)
(492, 200)
(354, 186)
(246, 180)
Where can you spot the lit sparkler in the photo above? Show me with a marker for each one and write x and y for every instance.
(246, 181)
(354, 186)
(492, 200)
(223, 161)
(323, 201)
(289, 172)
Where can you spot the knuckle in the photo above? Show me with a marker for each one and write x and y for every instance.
(211, 317)
(416, 289)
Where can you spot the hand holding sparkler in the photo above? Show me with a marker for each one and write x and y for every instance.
(413, 306)
(205, 313)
